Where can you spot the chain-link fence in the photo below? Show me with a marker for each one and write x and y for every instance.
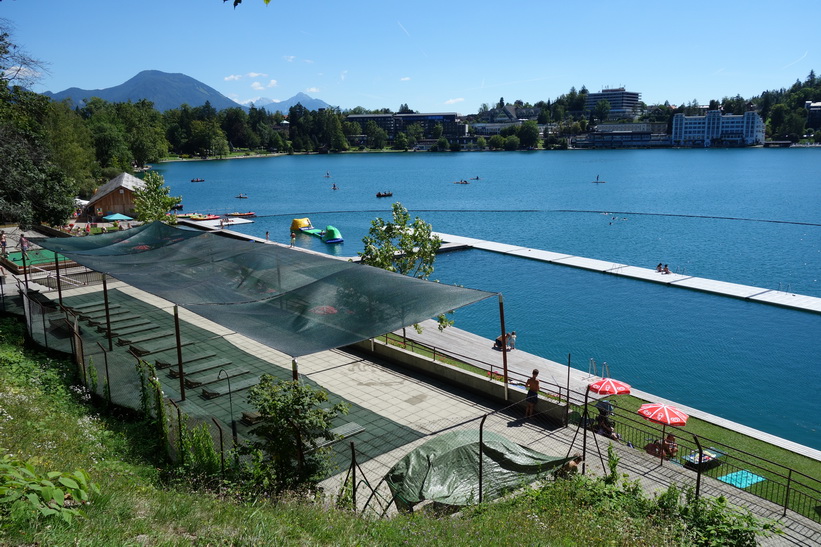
(133, 354)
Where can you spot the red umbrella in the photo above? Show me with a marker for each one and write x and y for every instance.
(663, 414)
(609, 386)
(605, 386)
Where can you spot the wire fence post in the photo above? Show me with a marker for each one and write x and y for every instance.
(567, 402)
(481, 451)
(222, 448)
(107, 315)
(353, 476)
(787, 493)
(179, 352)
(698, 465)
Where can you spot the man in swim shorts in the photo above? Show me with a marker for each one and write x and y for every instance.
(532, 386)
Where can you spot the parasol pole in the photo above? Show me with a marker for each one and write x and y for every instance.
(504, 342)
(584, 425)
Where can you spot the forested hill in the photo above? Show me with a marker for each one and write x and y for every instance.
(165, 90)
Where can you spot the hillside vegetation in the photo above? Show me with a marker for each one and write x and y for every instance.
(50, 423)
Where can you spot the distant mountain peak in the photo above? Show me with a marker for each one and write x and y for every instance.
(171, 90)
(165, 90)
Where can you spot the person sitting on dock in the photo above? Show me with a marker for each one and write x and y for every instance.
(607, 427)
(665, 270)
(670, 446)
(501, 342)
(659, 269)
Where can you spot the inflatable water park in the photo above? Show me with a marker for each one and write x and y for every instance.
(329, 235)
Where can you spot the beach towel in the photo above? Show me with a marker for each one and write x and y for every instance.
(741, 479)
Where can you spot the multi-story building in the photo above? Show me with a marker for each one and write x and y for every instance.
(622, 103)
(625, 135)
(715, 129)
(395, 123)
(813, 114)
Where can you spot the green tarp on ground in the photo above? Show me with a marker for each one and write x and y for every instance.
(446, 469)
(296, 302)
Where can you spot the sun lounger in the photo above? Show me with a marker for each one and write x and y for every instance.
(164, 344)
(126, 329)
(218, 390)
(171, 359)
(95, 312)
(199, 366)
(342, 432)
(210, 378)
(142, 337)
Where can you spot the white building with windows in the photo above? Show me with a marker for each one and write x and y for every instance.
(715, 129)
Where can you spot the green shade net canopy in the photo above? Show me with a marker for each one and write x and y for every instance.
(296, 302)
(446, 469)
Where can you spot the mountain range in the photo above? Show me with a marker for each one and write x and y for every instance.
(168, 91)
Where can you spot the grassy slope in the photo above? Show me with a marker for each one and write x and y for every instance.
(44, 419)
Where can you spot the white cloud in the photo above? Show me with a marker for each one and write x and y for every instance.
(312, 90)
(343, 75)
(454, 101)
(258, 86)
(272, 83)
(232, 77)
(309, 61)
(405, 79)
(257, 75)
(289, 58)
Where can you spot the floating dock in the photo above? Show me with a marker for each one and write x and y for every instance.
(745, 292)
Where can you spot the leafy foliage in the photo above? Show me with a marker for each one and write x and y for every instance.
(295, 419)
(401, 246)
(26, 494)
(152, 202)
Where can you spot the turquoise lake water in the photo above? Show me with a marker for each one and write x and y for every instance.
(745, 216)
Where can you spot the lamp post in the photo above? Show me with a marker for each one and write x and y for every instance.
(230, 404)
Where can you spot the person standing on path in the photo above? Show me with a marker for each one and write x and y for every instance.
(3, 243)
(23, 244)
(511, 340)
(266, 236)
(532, 398)
(293, 239)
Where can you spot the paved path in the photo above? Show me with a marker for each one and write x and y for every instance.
(745, 292)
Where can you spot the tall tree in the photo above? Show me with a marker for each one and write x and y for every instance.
(33, 188)
(602, 110)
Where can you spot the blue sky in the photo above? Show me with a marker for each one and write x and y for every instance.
(433, 55)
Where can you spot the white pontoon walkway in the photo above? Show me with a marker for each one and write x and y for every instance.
(744, 292)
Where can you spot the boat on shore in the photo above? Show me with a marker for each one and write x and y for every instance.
(246, 215)
(384, 194)
(199, 216)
